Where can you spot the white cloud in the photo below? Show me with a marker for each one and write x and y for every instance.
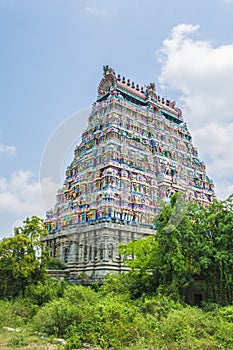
(229, 1)
(96, 11)
(204, 76)
(10, 150)
(21, 194)
(20, 197)
(224, 189)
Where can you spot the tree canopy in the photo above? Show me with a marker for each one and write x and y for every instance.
(190, 243)
(22, 258)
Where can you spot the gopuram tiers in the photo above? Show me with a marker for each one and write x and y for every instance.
(135, 149)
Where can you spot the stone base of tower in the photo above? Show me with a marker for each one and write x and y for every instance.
(92, 249)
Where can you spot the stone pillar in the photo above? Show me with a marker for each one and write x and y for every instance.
(73, 252)
(60, 252)
(105, 251)
(81, 253)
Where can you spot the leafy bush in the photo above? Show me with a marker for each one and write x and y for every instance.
(113, 319)
(54, 264)
(55, 317)
(16, 313)
(158, 306)
(44, 292)
(74, 341)
(18, 339)
(83, 315)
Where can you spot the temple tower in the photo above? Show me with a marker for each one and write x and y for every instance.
(135, 149)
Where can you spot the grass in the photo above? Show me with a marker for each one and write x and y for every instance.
(25, 341)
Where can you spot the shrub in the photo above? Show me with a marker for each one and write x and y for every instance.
(44, 292)
(189, 325)
(16, 313)
(18, 339)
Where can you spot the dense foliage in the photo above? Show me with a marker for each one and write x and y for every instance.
(108, 318)
(22, 258)
(143, 309)
(191, 244)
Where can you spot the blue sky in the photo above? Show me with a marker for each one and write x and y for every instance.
(52, 53)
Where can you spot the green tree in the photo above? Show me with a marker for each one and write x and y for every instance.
(216, 229)
(190, 242)
(164, 261)
(22, 258)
